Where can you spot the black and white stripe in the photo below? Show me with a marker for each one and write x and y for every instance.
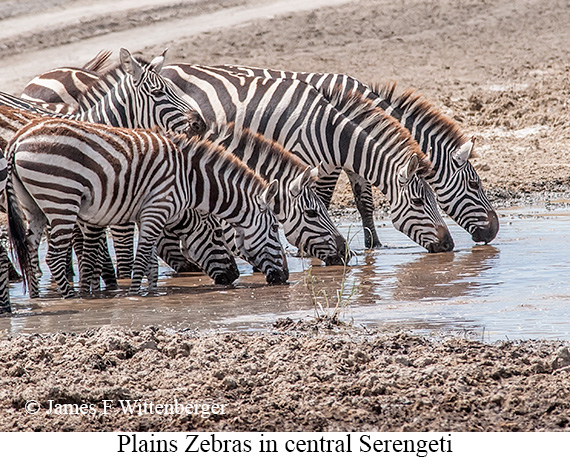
(132, 95)
(300, 118)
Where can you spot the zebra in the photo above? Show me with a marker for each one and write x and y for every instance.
(66, 172)
(458, 188)
(4, 260)
(206, 245)
(296, 115)
(302, 214)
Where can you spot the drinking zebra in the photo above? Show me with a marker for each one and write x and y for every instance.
(457, 186)
(66, 172)
(206, 245)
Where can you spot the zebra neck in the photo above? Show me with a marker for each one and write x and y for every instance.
(265, 157)
(109, 102)
(435, 134)
(219, 183)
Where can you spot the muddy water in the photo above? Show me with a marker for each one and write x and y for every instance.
(516, 288)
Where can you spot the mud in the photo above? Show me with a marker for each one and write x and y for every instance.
(301, 376)
(499, 68)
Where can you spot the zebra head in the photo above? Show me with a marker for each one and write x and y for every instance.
(258, 239)
(307, 223)
(460, 194)
(415, 211)
(203, 241)
(163, 103)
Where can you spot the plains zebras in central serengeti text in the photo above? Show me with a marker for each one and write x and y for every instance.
(296, 115)
(304, 122)
(457, 186)
(66, 172)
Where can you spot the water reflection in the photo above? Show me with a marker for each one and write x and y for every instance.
(445, 275)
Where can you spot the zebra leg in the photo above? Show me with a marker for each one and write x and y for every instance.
(106, 266)
(123, 236)
(34, 236)
(92, 247)
(59, 240)
(152, 271)
(362, 191)
(13, 274)
(4, 281)
(148, 234)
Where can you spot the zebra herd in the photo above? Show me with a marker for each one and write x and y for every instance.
(209, 161)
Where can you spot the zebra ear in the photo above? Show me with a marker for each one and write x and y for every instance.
(316, 171)
(408, 170)
(266, 198)
(301, 181)
(157, 63)
(464, 152)
(130, 65)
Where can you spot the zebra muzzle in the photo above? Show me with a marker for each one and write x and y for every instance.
(445, 243)
(487, 232)
(196, 124)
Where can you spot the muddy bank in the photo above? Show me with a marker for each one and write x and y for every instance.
(303, 376)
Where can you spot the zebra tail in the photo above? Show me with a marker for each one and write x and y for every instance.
(17, 232)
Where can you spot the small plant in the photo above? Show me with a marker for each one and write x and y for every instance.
(330, 306)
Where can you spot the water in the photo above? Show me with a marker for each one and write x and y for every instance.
(515, 288)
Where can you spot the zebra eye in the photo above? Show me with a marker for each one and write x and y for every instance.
(157, 93)
(311, 213)
(417, 201)
(275, 227)
(473, 184)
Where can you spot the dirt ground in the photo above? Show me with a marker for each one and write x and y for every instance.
(500, 69)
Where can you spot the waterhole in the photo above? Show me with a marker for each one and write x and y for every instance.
(517, 287)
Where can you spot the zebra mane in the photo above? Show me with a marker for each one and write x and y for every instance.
(358, 109)
(249, 140)
(204, 147)
(412, 103)
(111, 76)
(99, 64)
